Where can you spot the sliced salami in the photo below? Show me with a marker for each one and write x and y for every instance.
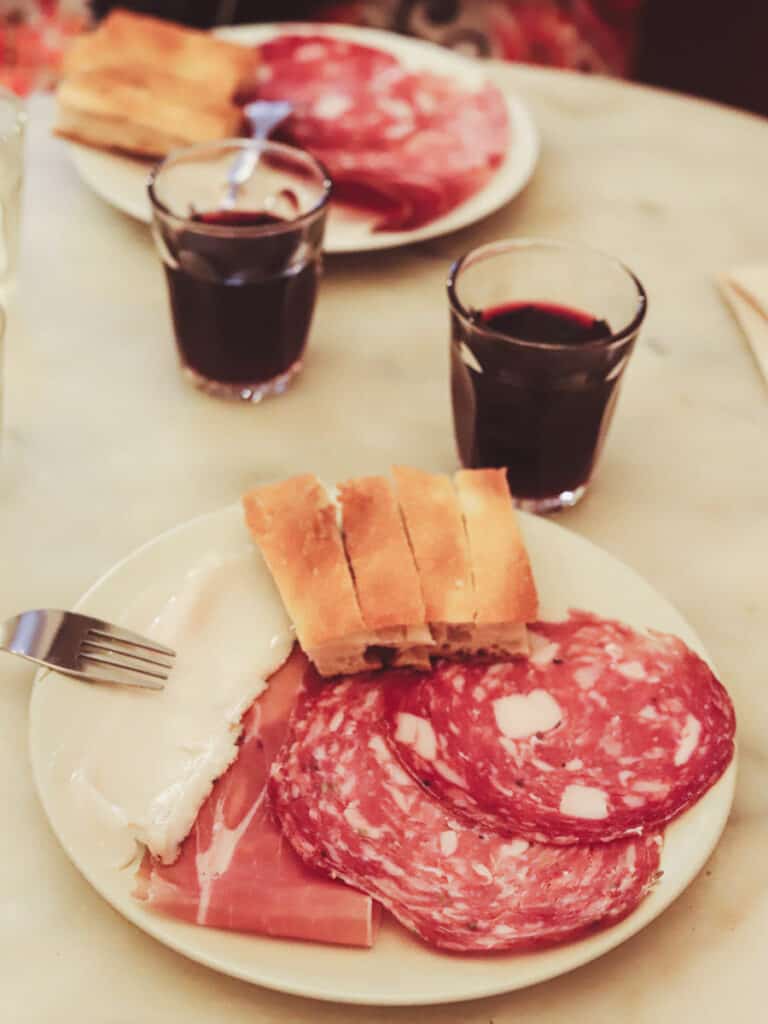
(408, 145)
(602, 733)
(347, 807)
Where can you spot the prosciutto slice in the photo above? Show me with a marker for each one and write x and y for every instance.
(235, 869)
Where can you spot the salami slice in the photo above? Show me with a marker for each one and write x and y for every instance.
(347, 807)
(409, 146)
(602, 733)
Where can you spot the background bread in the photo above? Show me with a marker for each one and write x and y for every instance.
(138, 42)
(145, 113)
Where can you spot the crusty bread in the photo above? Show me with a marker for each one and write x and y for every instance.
(295, 525)
(436, 533)
(139, 42)
(384, 573)
(504, 590)
(444, 574)
(140, 112)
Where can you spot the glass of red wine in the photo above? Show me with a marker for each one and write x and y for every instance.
(242, 279)
(541, 332)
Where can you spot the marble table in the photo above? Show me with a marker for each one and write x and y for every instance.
(105, 446)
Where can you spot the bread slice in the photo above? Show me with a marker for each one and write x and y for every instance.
(295, 526)
(137, 42)
(384, 572)
(436, 534)
(142, 113)
(504, 589)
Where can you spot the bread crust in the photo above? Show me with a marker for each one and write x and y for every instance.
(384, 572)
(295, 525)
(386, 580)
(505, 591)
(436, 534)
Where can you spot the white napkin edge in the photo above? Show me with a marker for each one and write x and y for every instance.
(746, 292)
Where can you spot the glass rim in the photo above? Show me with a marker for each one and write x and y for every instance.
(20, 114)
(505, 245)
(235, 230)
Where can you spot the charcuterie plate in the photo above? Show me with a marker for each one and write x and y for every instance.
(399, 969)
(121, 180)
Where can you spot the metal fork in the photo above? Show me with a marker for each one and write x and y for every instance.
(88, 649)
(263, 117)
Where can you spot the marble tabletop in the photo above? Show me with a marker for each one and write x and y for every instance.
(105, 446)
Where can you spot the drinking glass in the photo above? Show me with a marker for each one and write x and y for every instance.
(12, 125)
(242, 278)
(542, 332)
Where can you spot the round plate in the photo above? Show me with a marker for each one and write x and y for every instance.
(399, 970)
(121, 180)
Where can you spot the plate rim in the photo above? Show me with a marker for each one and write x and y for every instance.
(155, 925)
(523, 125)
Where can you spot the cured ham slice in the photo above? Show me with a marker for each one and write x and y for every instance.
(603, 733)
(235, 869)
(348, 808)
(410, 145)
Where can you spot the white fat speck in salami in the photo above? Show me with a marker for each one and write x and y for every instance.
(457, 887)
(418, 733)
(524, 714)
(449, 842)
(545, 754)
(688, 740)
(331, 105)
(584, 802)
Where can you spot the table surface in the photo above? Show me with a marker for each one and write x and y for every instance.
(105, 447)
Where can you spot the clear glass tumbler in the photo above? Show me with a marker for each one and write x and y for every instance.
(242, 277)
(541, 334)
(13, 121)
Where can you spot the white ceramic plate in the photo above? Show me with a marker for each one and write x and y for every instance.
(399, 970)
(121, 181)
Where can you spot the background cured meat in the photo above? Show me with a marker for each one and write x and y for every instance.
(410, 146)
(602, 733)
(348, 807)
(235, 869)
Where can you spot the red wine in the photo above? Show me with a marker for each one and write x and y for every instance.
(545, 322)
(238, 218)
(540, 410)
(242, 305)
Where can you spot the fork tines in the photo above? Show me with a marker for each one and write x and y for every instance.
(121, 649)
